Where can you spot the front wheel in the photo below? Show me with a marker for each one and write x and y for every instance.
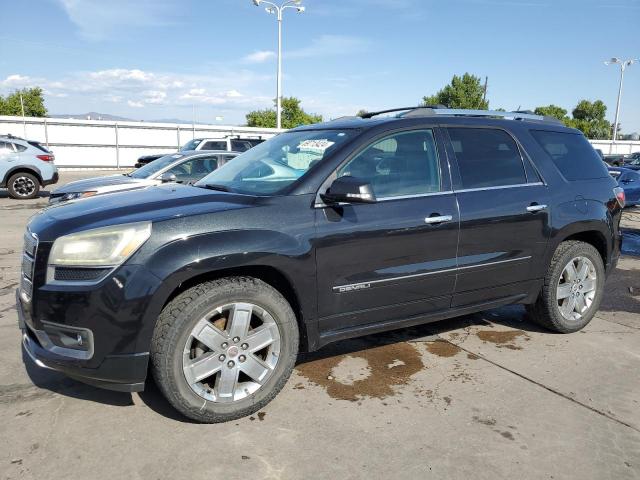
(224, 349)
(572, 290)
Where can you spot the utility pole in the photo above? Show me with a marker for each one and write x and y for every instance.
(623, 65)
(24, 120)
(484, 95)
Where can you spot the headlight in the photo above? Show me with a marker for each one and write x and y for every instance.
(101, 247)
(75, 195)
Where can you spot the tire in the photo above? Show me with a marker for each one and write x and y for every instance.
(23, 186)
(551, 303)
(176, 348)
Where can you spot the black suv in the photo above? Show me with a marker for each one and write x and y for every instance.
(325, 232)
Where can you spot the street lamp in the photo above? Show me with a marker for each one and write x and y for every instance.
(623, 65)
(278, 10)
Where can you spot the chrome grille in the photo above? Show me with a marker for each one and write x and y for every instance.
(28, 265)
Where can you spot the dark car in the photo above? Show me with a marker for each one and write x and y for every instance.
(629, 181)
(323, 233)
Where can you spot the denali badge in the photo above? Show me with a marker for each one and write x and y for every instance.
(351, 288)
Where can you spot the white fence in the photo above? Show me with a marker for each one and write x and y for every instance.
(99, 144)
(619, 147)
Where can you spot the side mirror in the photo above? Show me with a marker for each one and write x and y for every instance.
(167, 177)
(349, 189)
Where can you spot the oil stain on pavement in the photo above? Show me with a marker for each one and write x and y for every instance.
(503, 339)
(369, 373)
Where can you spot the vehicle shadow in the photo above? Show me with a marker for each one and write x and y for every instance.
(4, 193)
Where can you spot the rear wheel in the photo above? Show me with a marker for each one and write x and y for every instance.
(572, 290)
(224, 349)
(23, 186)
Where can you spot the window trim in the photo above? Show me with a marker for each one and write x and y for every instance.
(441, 155)
(524, 157)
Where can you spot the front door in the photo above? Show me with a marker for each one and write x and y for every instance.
(395, 258)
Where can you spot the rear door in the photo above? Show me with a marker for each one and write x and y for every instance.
(393, 259)
(504, 217)
(192, 170)
(8, 159)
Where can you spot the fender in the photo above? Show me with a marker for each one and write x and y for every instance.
(582, 216)
(184, 259)
(29, 168)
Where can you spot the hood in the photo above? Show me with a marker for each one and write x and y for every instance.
(153, 204)
(95, 183)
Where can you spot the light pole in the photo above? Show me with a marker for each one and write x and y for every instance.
(278, 10)
(623, 65)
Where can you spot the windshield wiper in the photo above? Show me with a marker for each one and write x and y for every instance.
(212, 186)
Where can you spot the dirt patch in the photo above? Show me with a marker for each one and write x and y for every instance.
(472, 356)
(507, 435)
(389, 366)
(484, 421)
(504, 339)
(442, 348)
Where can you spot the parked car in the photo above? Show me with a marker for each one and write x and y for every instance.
(187, 167)
(615, 160)
(25, 167)
(632, 161)
(229, 144)
(600, 153)
(629, 181)
(372, 224)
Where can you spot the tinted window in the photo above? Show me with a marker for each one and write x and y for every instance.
(217, 145)
(240, 145)
(38, 146)
(19, 148)
(401, 164)
(572, 153)
(192, 145)
(5, 147)
(194, 169)
(487, 157)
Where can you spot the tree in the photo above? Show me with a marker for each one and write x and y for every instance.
(552, 111)
(32, 99)
(590, 118)
(463, 92)
(292, 115)
(361, 112)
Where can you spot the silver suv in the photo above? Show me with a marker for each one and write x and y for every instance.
(25, 167)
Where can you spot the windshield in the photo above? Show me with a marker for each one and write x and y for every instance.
(155, 166)
(192, 145)
(275, 164)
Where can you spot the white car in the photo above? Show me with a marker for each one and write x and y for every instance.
(187, 167)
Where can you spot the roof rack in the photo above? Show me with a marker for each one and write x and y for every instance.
(430, 110)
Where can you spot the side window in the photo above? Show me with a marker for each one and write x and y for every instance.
(487, 157)
(194, 169)
(19, 148)
(215, 145)
(401, 164)
(5, 148)
(572, 154)
(240, 145)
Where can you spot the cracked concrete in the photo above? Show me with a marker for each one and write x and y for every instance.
(485, 396)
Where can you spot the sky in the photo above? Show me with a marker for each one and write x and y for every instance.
(160, 59)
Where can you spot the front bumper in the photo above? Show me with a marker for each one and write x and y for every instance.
(121, 372)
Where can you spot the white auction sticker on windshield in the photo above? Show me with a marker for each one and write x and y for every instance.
(320, 145)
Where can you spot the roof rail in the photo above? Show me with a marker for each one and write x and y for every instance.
(518, 115)
(390, 110)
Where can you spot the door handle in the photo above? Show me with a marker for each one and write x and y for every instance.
(438, 219)
(536, 208)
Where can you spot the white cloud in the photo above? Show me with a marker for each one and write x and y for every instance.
(260, 56)
(331, 45)
(98, 19)
(135, 104)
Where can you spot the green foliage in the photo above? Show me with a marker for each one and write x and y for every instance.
(292, 116)
(463, 92)
(588, 117)
(552, 111)
(361, 113)
(32, 99)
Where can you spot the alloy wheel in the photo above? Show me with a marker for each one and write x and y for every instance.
(24, 186)
(576, 288)
(231, 352)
